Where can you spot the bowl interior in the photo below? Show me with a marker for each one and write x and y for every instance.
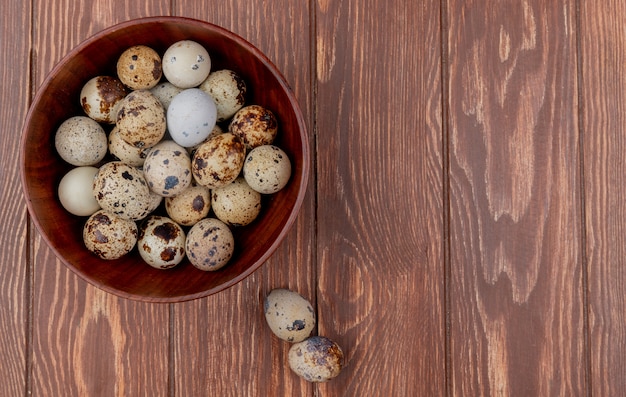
(42, 168)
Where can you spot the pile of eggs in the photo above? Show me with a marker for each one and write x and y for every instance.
(168, 132)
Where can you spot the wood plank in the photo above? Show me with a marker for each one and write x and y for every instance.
(222, 343)
(85, 341)
(14, 269)
(380, 208)
(603, 54)
(516, 289)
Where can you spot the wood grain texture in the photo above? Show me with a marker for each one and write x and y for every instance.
(14, 270)
(603, 54)
(87, 342)
(232, 352)
(516, 307)
(380, 209)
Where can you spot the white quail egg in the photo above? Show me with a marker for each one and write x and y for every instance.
(289, 315)
(190, 117)
(186, 64)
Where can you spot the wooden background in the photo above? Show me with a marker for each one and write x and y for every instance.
(463, 232)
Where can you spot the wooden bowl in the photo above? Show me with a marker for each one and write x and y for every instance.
(42, 168)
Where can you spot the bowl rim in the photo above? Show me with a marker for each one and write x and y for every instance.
(41, 91)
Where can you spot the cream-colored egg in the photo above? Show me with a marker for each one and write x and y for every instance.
(289, 315)
(236, 204)
(210, 244)
(161, 242)
(139, 67)
(186, 64)
(81, 141)
(190, 206)
(316, 359)
(76, 192)
(267, 169)
(109, 236)
(228, 90)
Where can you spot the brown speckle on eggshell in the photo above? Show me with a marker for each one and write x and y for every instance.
(316, 359)
(228, 90)
(255, 125)
(236, 204)
(210, 244)
(267, 169)
(190, 206)
(139, 67)
(218, 161)
(81, 141)
(167, 168)
(161, 242)
(289, 315)
(100, 97)
(109, 236)
(141, 119)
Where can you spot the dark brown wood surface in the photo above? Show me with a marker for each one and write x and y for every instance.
(462, 234)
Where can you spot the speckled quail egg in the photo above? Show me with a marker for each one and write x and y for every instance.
(218, 161)
(186, 64)
(141, 119)
(100, 97)
(124, 151)
(190, 117)
(228, 90)
(267, 169)
(210, 244)
(81, 141)
(215, 131)
(236, 204)
(109, 236)
(167, 169)
(190, 206)
(76, 192)
(165, 92)
(289, 315)
(161, 242)
(122, 190)
(255, 125)
(139, 67)
(316, 359)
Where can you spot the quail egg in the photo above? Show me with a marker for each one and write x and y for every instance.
(109, 236)
(124, 151)
(190, 117)
(81, 141)
(167, 169)
(165, 92)
(100, 97)
(267, 169)
(236, 204)
(210, 244)
(228, 90)
(139, 67)
(141, 119)
(255, 125)
(161, 242)
(218, 161)
(76, 193)
(190, 206)
(316, 359)
(122, 190)
(289, 315)
(186, 64)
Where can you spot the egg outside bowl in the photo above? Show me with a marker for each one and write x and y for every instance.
(42, 168)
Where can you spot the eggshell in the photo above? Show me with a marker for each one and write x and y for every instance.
(161, 242)
(76, 193)
(289, 315)
(218, 161)
(141, 119)
(186, 64)
(190, 117)
(122, 191)
(100, 97)
(255, 125)
(167, 169)
(316, 359)
(228, 90)
(124, 151)
(81, 141)
(139, 67)
(267, 169)
(190, 206)
(109, 236)
(210, 244)
(236, 204)
(165, 92)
